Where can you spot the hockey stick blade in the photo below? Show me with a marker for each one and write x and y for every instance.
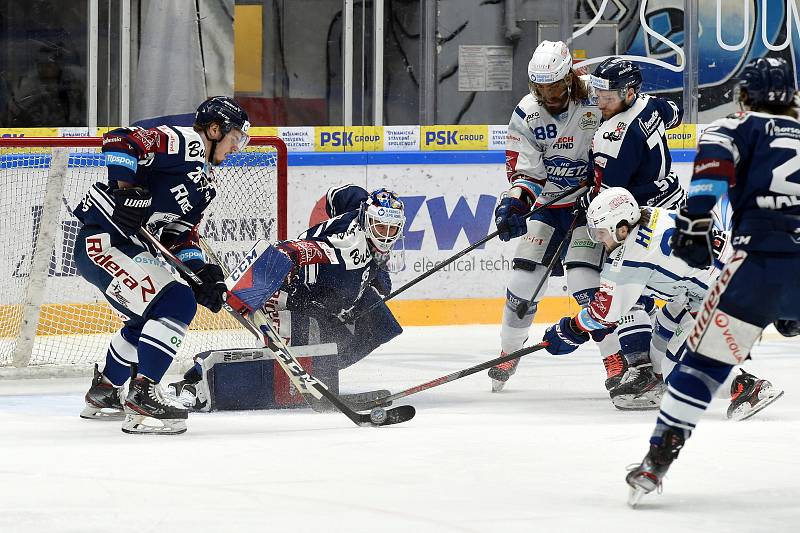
(451, 377)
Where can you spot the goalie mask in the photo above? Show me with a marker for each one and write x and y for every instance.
(383, 219)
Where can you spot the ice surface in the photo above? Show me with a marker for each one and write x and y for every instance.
(547, 454)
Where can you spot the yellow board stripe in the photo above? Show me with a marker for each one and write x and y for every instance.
(60, 319)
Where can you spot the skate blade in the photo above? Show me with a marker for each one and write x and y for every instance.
(105, 413)
(497, 385)
(740, 414)
(635, 495)
(628, 403)
(136, 424)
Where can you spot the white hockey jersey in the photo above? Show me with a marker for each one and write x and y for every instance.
(546, 155)
(644, 266)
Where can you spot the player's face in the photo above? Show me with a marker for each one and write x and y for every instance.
(230, 143)
(610, 102)
(554, 96)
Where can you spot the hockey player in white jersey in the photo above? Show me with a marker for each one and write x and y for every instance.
(546, 153)
(641, 263)
(630, 150)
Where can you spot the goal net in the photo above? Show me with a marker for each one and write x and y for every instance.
(49, 315)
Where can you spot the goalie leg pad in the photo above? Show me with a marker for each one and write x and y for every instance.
(249, 378)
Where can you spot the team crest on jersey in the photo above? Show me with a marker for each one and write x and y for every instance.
(617, 134)
(563, 171)
(651, 124)
(588, 121)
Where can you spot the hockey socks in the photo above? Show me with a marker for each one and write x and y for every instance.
(690, 388)
(119, 357)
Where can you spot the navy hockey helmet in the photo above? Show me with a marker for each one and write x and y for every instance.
(616, 74)
(225, 112)
(768, 80)
(383, 219)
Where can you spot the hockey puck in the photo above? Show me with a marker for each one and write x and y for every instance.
(378, 415)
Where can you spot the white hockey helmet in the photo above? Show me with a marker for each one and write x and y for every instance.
(609, 210)
(551, 62)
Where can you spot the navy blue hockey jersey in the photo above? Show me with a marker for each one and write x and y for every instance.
(333, 261)
(755, 157)
(630, 150)
(170, 162)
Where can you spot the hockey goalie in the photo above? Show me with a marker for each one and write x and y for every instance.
(331, 291)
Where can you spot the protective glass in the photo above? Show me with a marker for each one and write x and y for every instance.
(597, 235)
(240, 138)
(609, 97)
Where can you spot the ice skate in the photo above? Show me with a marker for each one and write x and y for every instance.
(616, 365)
(103, 400)
(149, 411)
(648, 476)
(638, 390)
(502, 372)
(187, 394)
(749, 395)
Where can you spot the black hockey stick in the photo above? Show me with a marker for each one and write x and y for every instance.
(524, 305)
(258, 324)
(454, 376)
(465, 251)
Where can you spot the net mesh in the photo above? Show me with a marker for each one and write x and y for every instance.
(75, 323)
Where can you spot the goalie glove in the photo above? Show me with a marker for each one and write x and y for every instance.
(691, 241)
(131, 207)
(210, 294)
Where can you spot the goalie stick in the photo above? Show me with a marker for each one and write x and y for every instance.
(386, 400)
(257, 323)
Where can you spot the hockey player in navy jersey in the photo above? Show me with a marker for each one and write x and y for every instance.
(340, 270)
(630, 150)
(158, 178)
(641, 262)
(753, 156)
(547, 153)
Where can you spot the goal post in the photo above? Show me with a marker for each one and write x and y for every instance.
(49, 316)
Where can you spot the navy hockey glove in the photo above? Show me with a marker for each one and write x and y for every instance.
(788, 328)
(564, 337)
(131, 207)
(210, 293)
(583, 201)
(509, 217)
(692, 239)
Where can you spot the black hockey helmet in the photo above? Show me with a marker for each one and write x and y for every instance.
(225, 112)
(617, 74)
(768, 80)
(228, 114)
